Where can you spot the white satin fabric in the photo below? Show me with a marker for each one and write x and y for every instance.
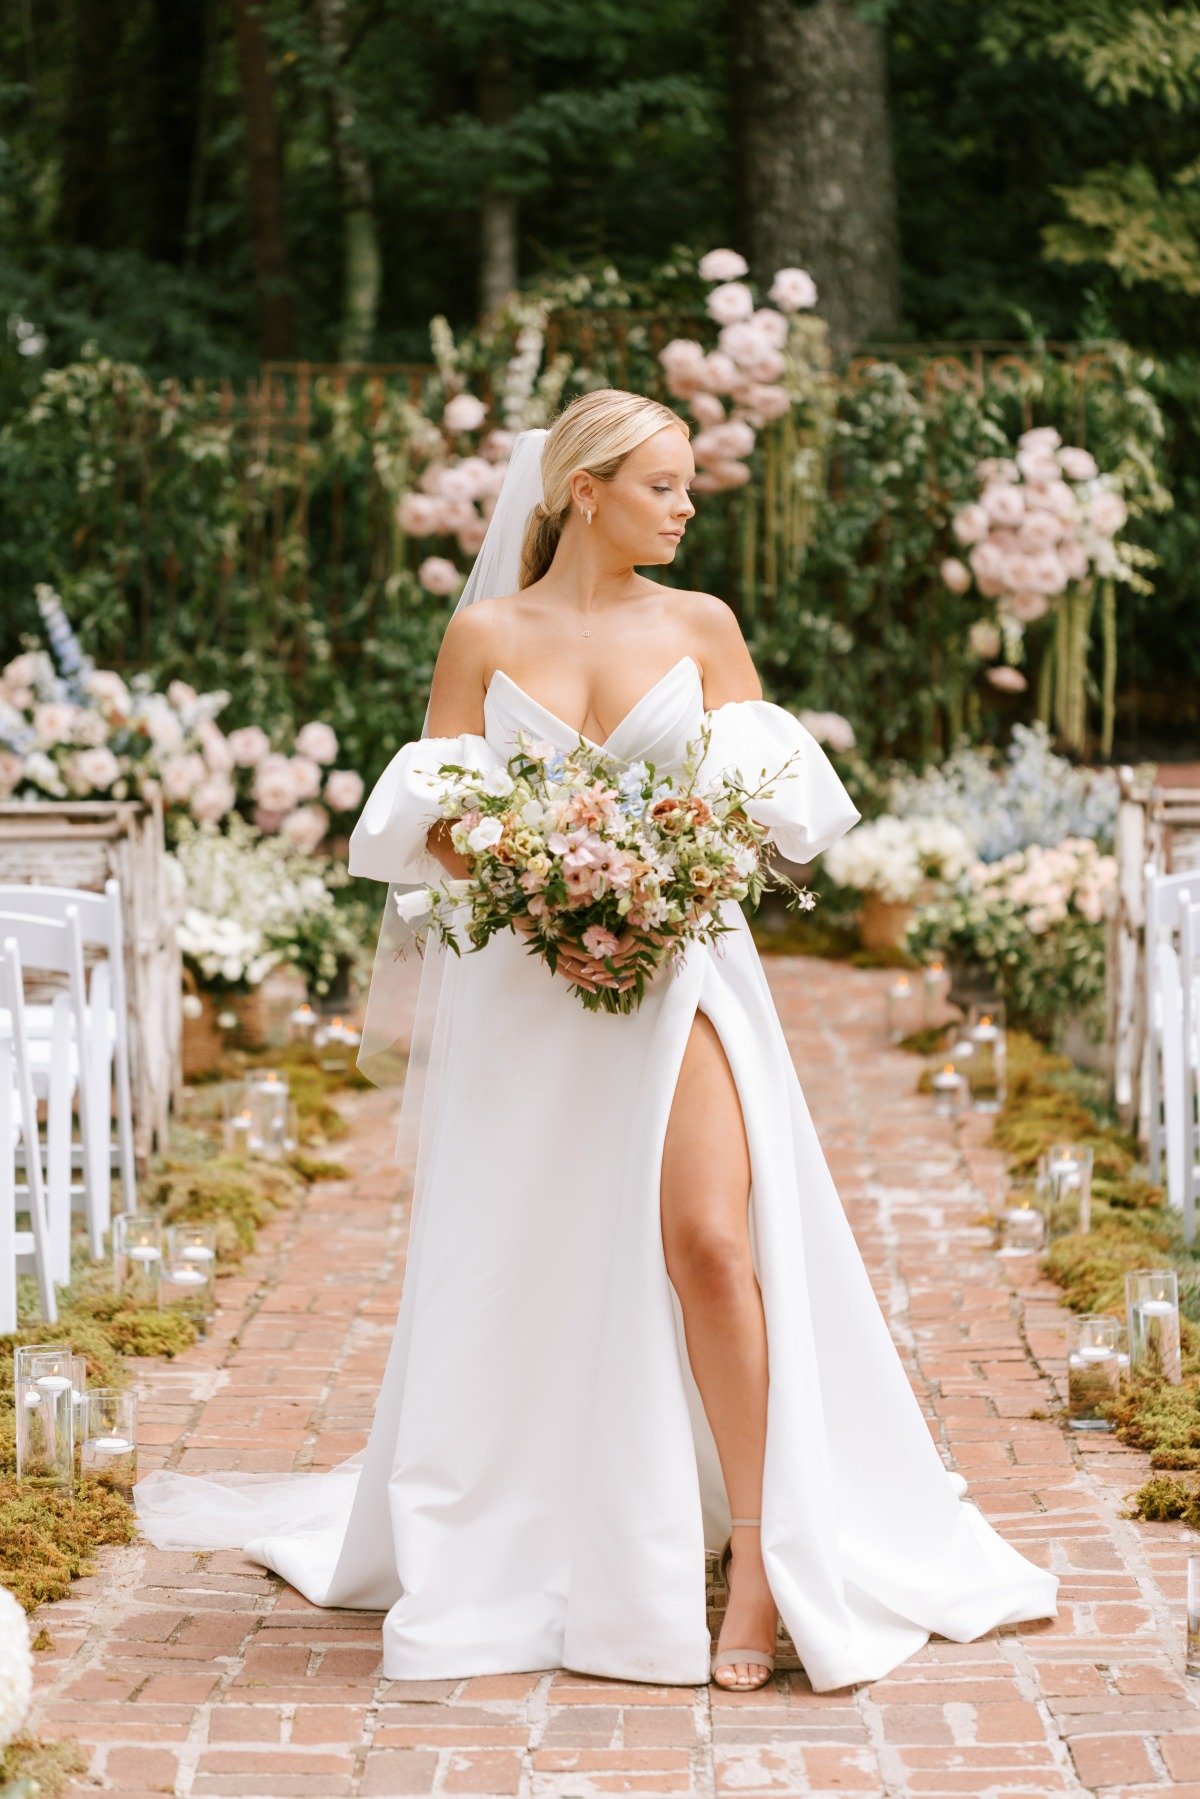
(541, 1483)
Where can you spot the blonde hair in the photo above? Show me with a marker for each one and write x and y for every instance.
(596, 432)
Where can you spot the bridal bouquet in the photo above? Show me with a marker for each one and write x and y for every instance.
(614, 861)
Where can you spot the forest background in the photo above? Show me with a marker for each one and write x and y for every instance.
(196, 187)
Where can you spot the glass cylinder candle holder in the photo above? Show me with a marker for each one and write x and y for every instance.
(108, 1452)
(336, 1039)
(137, 1255)
(1093, 1369)
(267, 1098)
(1065, 1188)
(236, 1118)
(1152, 1308)
(1192, 1659)
(935, 986)
(26, 1353)
(186, 1278)
(987, 1073)
(948, 1084)
(905, 1008)
(1022, 1227)
(302, 1023)
(45, 1419)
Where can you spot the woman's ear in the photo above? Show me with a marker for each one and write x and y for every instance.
(583, 490)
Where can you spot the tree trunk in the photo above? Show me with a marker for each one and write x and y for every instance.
(176, 60)
(498, 210)
(362, 268)
(95, 27)
(815, 157)
(264, 183)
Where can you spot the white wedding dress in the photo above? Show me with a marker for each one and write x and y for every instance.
(540, 1484)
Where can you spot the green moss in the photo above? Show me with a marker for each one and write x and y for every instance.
(1049, 1102)
(35, 1770)
(47, 1540)
(313, 1168)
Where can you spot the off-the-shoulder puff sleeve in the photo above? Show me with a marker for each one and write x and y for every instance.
(809, 807)
(388, 842)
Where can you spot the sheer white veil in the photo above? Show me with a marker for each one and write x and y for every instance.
(390, 1016)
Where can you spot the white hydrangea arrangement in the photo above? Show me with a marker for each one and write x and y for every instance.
(16, 1667)
(896, 857)
(253, 901)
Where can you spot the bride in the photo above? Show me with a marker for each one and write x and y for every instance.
(634, 1323)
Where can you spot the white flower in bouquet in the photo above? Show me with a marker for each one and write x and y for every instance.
(16, 1667)
(621, 866)
(318, 741)
(11, 769)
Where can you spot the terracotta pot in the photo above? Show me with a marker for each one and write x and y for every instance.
(882, 923)
(201, 1040)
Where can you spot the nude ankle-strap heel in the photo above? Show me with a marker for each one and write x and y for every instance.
(725, 1658)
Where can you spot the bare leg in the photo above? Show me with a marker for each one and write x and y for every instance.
(706, 1241)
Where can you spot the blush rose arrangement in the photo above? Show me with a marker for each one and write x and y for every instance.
(1042, 538)
(69, 730)
(618, 862)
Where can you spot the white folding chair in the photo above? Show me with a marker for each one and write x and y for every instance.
(61, 1074)
(1165, 898)
(1189, 982)
(22, 1251)
(101, 926)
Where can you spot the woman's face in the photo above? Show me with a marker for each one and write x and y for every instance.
(642, 512)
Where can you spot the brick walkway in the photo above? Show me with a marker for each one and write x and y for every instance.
(195, 1674)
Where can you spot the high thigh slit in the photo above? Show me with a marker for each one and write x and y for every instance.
(540, 1482)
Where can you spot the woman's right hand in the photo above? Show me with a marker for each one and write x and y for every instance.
(437, 841)
(582, 970)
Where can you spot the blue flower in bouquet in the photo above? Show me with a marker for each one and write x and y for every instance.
(630, 788)
(555, 765)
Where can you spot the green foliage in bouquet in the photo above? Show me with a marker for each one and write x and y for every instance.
(624, 865)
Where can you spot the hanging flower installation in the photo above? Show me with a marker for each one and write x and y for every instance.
(1043, 540)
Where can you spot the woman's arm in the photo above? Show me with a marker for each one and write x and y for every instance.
(729, 673)
(456, 705)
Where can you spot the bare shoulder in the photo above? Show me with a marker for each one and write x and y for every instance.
(712, 626)
(460, 674)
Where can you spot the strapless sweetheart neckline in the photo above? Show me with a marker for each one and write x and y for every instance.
(620, 726)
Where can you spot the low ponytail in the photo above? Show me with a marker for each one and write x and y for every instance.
(596, 432)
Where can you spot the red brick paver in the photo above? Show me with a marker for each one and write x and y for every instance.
(202, 1674)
